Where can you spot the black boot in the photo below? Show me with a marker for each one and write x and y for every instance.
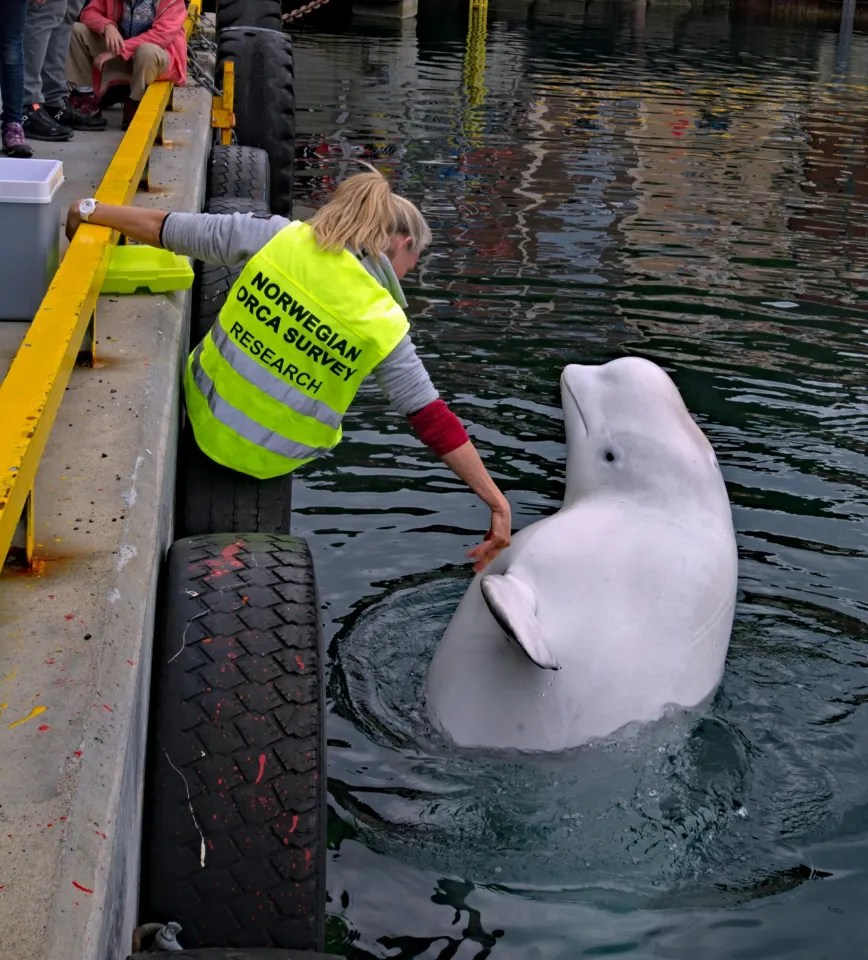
(130, 107)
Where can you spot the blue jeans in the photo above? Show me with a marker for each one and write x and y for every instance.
(12, 59)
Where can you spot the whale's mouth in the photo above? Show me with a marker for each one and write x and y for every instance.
(578, 407)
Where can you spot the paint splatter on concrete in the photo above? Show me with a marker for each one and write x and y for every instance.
(35, 712)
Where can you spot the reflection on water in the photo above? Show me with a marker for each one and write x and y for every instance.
(690, 186)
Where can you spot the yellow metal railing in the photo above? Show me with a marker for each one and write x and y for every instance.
(63, 328)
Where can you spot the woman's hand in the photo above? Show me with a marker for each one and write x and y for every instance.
(102, 59)
(497, 538)
(73, 219)
(464, 462)
(114, 44)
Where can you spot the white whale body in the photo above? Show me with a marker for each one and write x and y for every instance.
(617, 606)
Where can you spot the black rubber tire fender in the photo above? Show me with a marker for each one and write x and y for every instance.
(249, 13)
(234, 843)
(236, 205)
(264, 101)
(236, 171)
(209, 497)
(212, 282)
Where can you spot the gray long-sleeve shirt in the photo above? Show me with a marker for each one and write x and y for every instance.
(233, 238)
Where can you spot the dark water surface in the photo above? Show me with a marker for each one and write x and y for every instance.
(690, 187)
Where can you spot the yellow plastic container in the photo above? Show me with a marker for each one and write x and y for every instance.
(137, 268)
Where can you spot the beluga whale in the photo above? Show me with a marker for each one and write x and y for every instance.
(616, 608)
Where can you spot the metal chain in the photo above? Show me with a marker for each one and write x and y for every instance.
(199, 39)
(198, 43)
(298, 13)
(202, 77)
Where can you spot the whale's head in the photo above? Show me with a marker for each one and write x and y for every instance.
(629, 432)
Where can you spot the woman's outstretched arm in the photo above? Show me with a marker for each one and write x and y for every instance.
(229, 239)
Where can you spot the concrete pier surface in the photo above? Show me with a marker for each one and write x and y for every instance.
(76, 631)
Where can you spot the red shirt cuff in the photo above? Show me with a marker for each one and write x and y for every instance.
(438, 428)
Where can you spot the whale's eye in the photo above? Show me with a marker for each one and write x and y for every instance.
(610, 456)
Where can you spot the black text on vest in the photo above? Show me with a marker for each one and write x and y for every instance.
(330, 341)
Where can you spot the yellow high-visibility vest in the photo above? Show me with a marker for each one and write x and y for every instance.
(301, 328)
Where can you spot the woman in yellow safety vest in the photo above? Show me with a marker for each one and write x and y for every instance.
(318, 306)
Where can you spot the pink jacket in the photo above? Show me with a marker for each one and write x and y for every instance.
(167, 31)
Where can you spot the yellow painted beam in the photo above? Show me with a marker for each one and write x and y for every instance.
(121, 180)
(32, 390)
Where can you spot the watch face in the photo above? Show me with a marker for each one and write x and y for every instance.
(86, 207)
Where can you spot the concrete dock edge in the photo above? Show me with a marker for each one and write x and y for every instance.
(75, 661)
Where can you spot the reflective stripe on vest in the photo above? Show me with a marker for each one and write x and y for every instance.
(240, 423)
(268, 386)
(283, 392)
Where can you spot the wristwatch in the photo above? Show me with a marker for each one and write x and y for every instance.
(86, 208)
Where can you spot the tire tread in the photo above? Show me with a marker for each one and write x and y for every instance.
(251, 760)
(238, 171)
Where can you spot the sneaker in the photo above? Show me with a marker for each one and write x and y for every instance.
(80, 111)
(14, 144)
(40, 125)
(130, 107)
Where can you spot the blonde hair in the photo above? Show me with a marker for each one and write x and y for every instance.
(364, 215)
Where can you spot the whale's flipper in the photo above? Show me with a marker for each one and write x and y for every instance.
(513, 605)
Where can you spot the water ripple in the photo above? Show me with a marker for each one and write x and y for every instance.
(685, 185)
